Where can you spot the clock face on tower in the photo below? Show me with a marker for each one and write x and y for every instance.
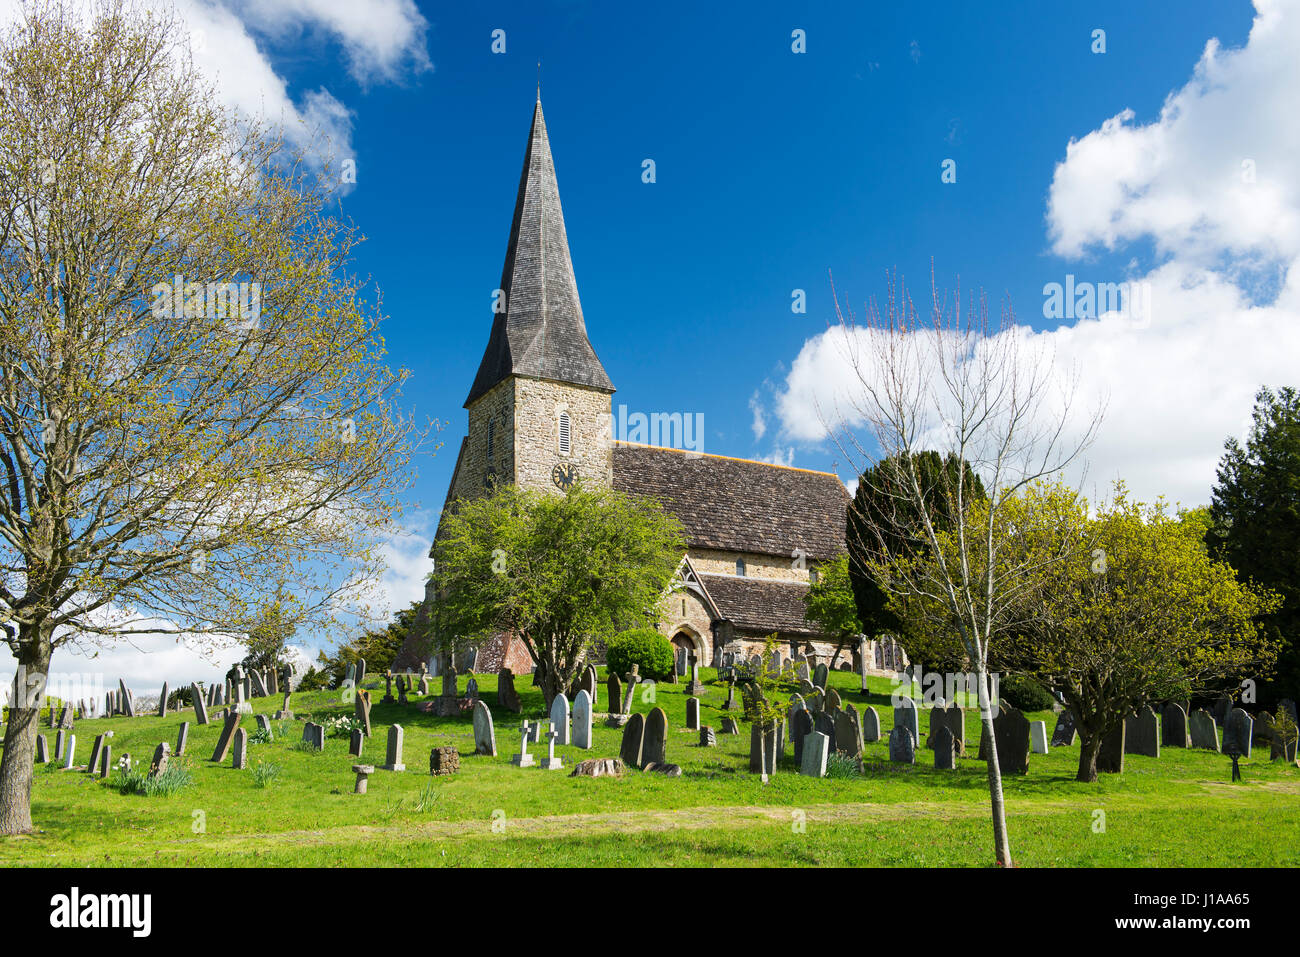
(564, 475)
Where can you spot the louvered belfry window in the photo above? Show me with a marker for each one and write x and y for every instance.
(565, 433)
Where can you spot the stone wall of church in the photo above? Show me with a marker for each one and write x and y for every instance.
(773, 567)
(496, 406)
(683, 611)
(537, 406)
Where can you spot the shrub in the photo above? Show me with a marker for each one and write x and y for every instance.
(264, 774)
(1025, 694)
(315, 680)
(644, 647)
(134, 779)
(840, 765)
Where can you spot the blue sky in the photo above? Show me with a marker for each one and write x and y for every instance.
(1166, 162)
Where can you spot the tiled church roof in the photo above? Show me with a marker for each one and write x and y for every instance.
(541, 333)
(761, 605)
(737, 505)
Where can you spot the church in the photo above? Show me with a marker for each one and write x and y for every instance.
(540, 416)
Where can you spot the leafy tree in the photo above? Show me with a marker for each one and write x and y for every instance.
(650, 651)
(378, 646)
(829, 602)
(1255, 515)
(269, 633)
(1129, 609)
(558, 571)
(884, 521)
(194, 410)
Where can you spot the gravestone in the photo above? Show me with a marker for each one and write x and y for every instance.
(182, 738)
(1066, 730)
(105, 761)
(96, 748)
(162, 702)
(614, 691)
(362, 704)
(815, 751)
(820, 674)
(1011, 732)
(314, 735)
(1237, 732)
(257, 685)
(633, 741)
(356, 742)
(444, 760)
(70, 753)
(582, 708)
(471, 688)
(870, 725)
(485, 736)
(551, 762)
(396, 734)
(762, 751)
(239, 761)
(801, 725)
(523, 759)
(832, 701)
(1110, 757)
(1038, 737)
(1173, 727)
(1221, 709)
(729, 726)
(227, 736)
(938, 719)
(902, 746)
(200, 709)
(60, 741)
(905, 716)
(560, 718)
(955, 722)
(1142, 733)
(128, 700)
(535, 732)
(423, 686)
(707, 738)
(693, 714)
(945, 749)
(654, 748)
(848, 732)
(507, 696)
(264, 725)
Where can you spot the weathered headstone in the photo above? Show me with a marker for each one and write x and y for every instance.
(1237, 732)
(832, 701)
(902, 746)
(1221, 708)
(582, 708)
(1110, 757)
(816, 747)
(1011, 731)
(1066, 730)
(654, 748)
(507, 696)
(820, 675)
(96, 748)
(551, 762)
(905, 716)
(356, 741)
(1142, 733)
(560, 718)
(848, 732)
(239, 760)
(523, 759)
(1038, 737)
(362, 705)
(870, 724)
(105, 761)
(227, 736)
(693, 714)
(1173, 727)
(396, 734)
(707, 738)
(200, 709)
(614, 691)
(633, 741)
(485, 736)
(945, 749)
(264, 725)
(729, 726)
(162, 701)
(801, 725)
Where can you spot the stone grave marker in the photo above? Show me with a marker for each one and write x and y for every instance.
(1173, 727)
(905, 716)
(507, 696)
(816, 747)
(848, 732)
(945, 749)
(833, 702)
(902, 746)
(870, 724)
(654, 747)
(1221, 708)
(485, 736)
(1237, 733)
(362, 705)
(1110, 758)
(551, 762)
(60, 741)
(1038, 737)
(1011, 732)
(1142, 733)
(70, 756)
(356, 742)
(614, 691)
(801, 725)
(395, 737)
(820, 674)
(693, 714)
(1066, 730)
(633, 741)
(264, 724)
(239, 760)
(729, 726)
(96, 749)
(523, 759)
(363, 772)
(560, 718)
(582, 708)
(707, 738)
(105, 761)
(182, 738)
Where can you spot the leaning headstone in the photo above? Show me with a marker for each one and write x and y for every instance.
(105, 761)
(1237, 732)
(582, 707)
(693, 714)
(654, 748)
(1038, 737)
(395, 736)
(902, 746)
(729, 726)
(815, 752)
(870, 725)
(1173, 727)
(1066, 730)
(227, 736)
(633, 741)
(507, 696)
(1142, 733)
(471, 688)
(362, 705)
(96, 749)
(848, 732)
(485, 736)
(264, 724)
(1110, 757)
(560, 718)
(200, 709)
(239, 760)
(1011, 731)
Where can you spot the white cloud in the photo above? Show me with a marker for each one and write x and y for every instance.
(760, 420)
(1225, 302)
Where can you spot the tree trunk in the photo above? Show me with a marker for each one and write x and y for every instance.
(1089, 748)
(998, 806)
(17, 764)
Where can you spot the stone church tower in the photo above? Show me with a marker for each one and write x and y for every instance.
(539, 408)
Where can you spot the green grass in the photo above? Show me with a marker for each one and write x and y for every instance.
(1179, 810)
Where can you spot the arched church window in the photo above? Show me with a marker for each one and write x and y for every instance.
(565, 433)
(740, 567)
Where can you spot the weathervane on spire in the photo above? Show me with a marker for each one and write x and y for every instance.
(539, 80)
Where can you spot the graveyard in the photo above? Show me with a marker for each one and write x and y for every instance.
(710, 808)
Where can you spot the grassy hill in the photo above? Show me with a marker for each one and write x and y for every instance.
(1179, 809)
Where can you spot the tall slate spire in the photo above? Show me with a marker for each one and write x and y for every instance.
(541, 333)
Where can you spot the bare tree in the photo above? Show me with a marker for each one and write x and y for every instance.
(193, 407)
(980, 393)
